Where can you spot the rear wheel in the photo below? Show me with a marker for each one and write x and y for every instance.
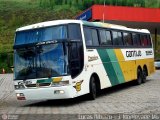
(144, 75)
(139, 77)
(93, 90)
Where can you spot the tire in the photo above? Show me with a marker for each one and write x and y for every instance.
(144, 75)
(93, 90)
(139, 77)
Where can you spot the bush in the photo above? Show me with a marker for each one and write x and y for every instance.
(6, 61)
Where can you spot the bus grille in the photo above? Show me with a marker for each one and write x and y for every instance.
(44, 84)
(38, 85)
(31, 85)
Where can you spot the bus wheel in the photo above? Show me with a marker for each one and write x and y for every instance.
(144, 75)
(139, 77)
(93, 90)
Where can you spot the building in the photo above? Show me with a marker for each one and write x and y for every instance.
(134, 17)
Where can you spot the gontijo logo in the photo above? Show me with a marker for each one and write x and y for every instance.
(133, 53)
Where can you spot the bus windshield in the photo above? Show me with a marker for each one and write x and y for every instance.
(40, 61)
(44, 52)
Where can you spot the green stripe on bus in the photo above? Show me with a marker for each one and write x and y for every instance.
(116, 65)
(44, 80)
(111, 66)
(106, 60)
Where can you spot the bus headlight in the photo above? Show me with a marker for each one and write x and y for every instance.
(19, 87)
(61, 83)
(19, 94)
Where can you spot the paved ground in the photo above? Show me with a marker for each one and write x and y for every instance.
(126, 98)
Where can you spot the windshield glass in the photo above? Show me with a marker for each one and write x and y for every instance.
(44, 52)
(41, 34)
(40, 61)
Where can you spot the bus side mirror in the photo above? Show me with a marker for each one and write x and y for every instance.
(12, 68)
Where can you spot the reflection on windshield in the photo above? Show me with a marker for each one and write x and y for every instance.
(41, 61)
(41, 34)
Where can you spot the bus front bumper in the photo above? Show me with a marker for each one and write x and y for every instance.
(46, 93)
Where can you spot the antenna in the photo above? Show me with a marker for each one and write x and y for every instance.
(103, 10)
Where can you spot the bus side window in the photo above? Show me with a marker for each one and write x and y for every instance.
(136, 39)
(105, 37)
(91, 37)
(120, 40)
(117, 38)
(102, 37)
(144, 40)
(127, 39)
(76, 53)
(95, 37)
(149, 40)
(108, 37)
(88, 36)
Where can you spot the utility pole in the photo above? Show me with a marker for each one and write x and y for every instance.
(155, 49)
(104, 10)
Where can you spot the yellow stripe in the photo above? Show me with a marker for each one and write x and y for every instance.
(127, 67)
(56, 80)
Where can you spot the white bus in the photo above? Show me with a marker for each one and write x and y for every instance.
(69, 58)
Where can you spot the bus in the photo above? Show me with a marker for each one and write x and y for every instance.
(64, 59)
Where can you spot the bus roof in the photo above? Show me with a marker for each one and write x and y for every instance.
(93, 24)
(114, 26)
(47, 24)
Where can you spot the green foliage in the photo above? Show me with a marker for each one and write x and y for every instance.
(152, 3)
(84, 4)
(6, 61)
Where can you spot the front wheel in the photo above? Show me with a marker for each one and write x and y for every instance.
(93, 91)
